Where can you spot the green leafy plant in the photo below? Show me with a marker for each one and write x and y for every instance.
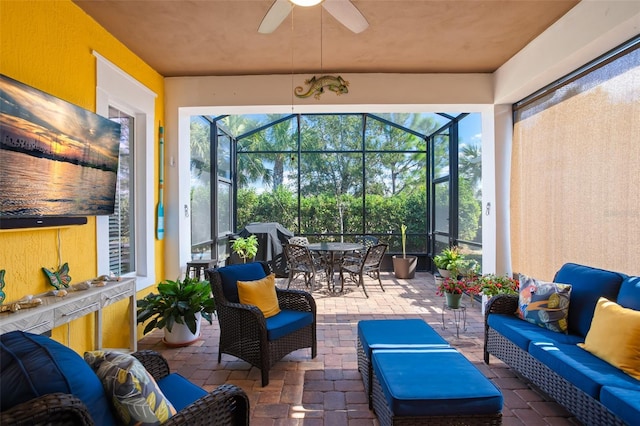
(450, 259)
(245, 248)
(176, 302)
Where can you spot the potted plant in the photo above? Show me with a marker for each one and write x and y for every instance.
(454, 288)
(404, 267)
(177, 308)
(245, 247)
(449, 262)
(490, 285)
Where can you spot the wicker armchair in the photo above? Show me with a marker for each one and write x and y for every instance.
(226, 405)
(244, 331)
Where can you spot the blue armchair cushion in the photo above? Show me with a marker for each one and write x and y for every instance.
(241, 272)
(34, 365)
(180, 391)
(629, 295)
(403, 333)
(286, 322)
(624, 403)
(584, 370)
(587, 286)
(434, 382)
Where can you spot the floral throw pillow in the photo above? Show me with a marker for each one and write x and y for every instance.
(133, 393)
(544, 303)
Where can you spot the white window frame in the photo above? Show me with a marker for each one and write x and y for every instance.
(118, 89)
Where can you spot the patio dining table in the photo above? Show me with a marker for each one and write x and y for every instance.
(333, 252)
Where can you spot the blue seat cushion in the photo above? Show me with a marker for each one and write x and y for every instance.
(241, 272)
(180, 391)
(629, 295)
(587, 286)
(584, 370)
(522, 333)
(624, 403)
(434, 382)
(412, 332)
(32, 365)
(287, 321)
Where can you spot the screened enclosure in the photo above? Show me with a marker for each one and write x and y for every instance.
(332, 177)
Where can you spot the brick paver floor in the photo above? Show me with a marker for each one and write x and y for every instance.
(328, 390)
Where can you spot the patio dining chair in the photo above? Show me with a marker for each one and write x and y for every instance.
(369, 265)
(300, 261)
(246, 333)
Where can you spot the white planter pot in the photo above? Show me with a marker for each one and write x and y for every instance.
(444, 273)
(180, 335)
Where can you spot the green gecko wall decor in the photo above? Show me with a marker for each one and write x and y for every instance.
(317, 86)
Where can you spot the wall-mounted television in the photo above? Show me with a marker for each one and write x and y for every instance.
(58, 162)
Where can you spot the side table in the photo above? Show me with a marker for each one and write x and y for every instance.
(459, 316)
(196, 268)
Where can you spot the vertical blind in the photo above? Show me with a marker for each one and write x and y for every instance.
(575, 186)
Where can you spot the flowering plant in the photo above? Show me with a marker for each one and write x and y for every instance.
(454, 286)
(491, 285)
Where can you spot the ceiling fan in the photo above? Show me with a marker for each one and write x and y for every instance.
(343, 10)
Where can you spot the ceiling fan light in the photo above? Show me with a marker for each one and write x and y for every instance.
(306, 3)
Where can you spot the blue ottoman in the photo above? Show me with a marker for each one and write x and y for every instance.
(393, 333)
(432, 386)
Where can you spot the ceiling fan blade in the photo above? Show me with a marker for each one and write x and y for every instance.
(278, 12)
(347, 14)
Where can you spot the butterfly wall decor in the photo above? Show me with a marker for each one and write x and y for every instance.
(59, 279)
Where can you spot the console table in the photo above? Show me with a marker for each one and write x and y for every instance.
(56, 311)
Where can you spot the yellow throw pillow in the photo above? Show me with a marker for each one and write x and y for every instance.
(260, 293)
(614, 336)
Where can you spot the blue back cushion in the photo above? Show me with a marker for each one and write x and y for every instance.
(629, 295)
(241, 272)
(587, 285)
(33, 365)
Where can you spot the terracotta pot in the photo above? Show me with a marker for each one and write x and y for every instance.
(404, 267)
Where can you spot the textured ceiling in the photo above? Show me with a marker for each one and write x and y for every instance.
(220, 37)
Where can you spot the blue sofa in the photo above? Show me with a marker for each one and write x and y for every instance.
(596, 392)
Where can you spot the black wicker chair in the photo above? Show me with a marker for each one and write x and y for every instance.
(244, 330)
(227, 405)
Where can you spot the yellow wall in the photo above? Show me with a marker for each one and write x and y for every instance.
(48, 45)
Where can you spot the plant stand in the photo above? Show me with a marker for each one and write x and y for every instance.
(459, 318)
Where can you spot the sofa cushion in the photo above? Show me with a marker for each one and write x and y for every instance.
(260, 293)
(629, 295)
(587, 285)
(230, 275)
(584, 370)
(287, 321)
(624, 403)
(135, 396)
(543, 303)
(522, 333)
(33, 365)
(614, 336)
(180, 391)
